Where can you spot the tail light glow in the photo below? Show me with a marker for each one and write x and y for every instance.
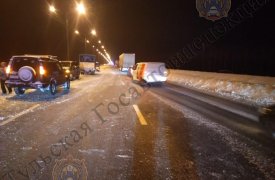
(8, 69)
(42, 70)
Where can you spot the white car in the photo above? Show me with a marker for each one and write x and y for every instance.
(149, 72)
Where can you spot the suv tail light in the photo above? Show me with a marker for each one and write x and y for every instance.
(42, 70)
(8, 69)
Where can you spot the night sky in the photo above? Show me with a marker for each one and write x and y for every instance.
(155, 30)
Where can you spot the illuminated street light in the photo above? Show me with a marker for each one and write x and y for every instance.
(52, 9)
(102, 47)
(76, 32)
(93, 32)
(80, 8)
(87, 41)
(99, 42)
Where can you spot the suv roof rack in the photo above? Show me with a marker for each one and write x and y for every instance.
(41, 56)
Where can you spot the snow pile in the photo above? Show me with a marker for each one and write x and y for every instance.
(257, 90)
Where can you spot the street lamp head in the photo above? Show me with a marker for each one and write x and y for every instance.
(52, 9)
(99, 42)
(102, 47)
(93, 32)
(87, 41)
(80, 8)
(76, 32)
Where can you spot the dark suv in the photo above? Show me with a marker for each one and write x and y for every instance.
(43, 72)
(72, 68)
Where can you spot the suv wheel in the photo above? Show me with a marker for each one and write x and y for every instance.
(19, 90)
(53, 88)
(67, 84)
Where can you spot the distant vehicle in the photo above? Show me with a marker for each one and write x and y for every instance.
(126, 61)
(97, 66)
(71, 67)
(87, 63)
(149, 72)
(43, 72)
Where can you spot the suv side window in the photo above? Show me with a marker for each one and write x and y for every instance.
(58, 67)
(52, 66)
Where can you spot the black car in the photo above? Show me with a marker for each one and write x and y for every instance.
(71, 67)
(43, 72)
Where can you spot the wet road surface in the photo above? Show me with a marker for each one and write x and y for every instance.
(96, 126)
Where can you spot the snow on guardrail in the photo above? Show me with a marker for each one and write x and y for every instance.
(258, 90)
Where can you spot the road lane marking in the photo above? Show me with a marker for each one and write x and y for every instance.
(140, 116)
(19, 114)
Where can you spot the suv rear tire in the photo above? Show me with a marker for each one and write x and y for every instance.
(53, 88)
(19, 90)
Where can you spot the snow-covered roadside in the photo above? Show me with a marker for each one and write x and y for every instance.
(257, 90)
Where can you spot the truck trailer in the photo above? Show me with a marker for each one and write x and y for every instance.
(126, 61)
(87, 63)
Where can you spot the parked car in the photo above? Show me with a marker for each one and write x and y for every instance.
(72, 68)
(149, 72)
(43, 72)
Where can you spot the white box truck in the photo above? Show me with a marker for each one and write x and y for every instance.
(126, 61)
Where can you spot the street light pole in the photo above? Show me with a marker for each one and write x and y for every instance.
(81, 10)
(85, 45)
(67, 38)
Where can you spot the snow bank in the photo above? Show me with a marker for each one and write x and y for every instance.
(257, 90)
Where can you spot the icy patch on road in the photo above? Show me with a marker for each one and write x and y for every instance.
(250, 151)
(26, 148)
(90, 151)
(124, 156)
(163, 164)
(252, 89)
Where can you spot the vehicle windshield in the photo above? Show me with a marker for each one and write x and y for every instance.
(66, 64)
(87, 58)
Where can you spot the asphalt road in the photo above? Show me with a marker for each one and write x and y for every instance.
(106, 127)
